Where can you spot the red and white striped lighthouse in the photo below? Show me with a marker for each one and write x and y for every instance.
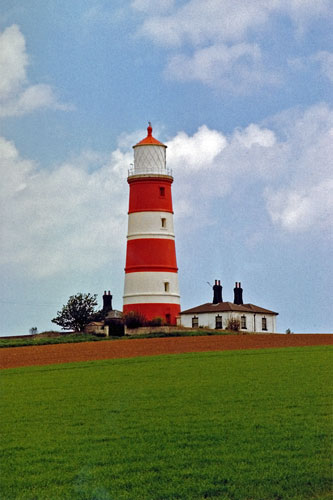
(151, 279)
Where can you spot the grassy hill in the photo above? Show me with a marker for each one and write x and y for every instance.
(234, 425)
(46, 338)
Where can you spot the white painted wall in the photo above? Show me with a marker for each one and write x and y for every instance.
(148, 287)
(149, 225)
(253, 323)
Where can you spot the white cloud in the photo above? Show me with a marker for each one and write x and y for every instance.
(253, 134)
(303, 11)
(16, 97)
(13, 60)
(322, 58)
(194, 160)
(14, 170)
(302, 200)
(286, 169)
(200, 22)
(237, 69)
(152, 5)
(72, 217)
(214, 39)
(97, 14)
(302, 208)
(34, 97)
(210, 152)
(194, 152)
(209, 166)
(325, 60)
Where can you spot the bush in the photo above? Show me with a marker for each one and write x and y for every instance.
(155, 322)
(233, 324)
(134, 319)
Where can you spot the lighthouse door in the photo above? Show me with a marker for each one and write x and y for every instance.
(168, 318)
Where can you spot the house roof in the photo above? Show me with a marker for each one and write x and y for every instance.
(149, 140)
(227, 307)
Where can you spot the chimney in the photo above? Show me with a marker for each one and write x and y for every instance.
(217, 289)
(107, 301)
(238, 293)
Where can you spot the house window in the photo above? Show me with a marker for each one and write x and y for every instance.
(163, 222)
(264, 324)
(162, 191)
(166, 286)
(243, 322)
(195, 322)
(218, 322)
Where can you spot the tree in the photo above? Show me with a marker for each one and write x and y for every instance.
(33, 330)
(77, 313)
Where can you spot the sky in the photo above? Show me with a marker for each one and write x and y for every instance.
(239, 90)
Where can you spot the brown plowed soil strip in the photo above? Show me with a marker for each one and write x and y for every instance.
(12, 357)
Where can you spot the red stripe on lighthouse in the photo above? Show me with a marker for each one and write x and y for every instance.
(168, 312)
(151, 254)
(150, 194)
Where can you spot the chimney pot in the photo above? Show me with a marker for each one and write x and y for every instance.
(217, 290)
(238, 293)
(107, 301)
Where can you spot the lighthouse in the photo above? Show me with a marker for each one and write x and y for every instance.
(151, 273)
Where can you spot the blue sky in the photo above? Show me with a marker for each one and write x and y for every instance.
(240, 91)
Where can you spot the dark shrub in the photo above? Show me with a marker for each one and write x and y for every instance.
(155, 322)
(233, 324)
(134, 319)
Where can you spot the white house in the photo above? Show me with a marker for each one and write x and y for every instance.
(216, 314)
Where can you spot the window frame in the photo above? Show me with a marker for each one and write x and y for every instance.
(264, 324)
(195, 321)
(218, 320)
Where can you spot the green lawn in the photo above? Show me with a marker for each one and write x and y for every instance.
(251, 425)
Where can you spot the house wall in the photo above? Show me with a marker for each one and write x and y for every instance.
(253, 321)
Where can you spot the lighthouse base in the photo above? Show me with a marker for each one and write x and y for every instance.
(168, 312)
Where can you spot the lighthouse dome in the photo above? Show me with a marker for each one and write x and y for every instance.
(149, 156)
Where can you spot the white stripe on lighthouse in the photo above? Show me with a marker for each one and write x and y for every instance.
(147, 298)
(150, 225)
(151, 287)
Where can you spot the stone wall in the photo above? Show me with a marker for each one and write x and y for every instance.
(144, 330)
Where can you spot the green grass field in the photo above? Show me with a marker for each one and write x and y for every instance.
(252, 425)
(71, 338)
